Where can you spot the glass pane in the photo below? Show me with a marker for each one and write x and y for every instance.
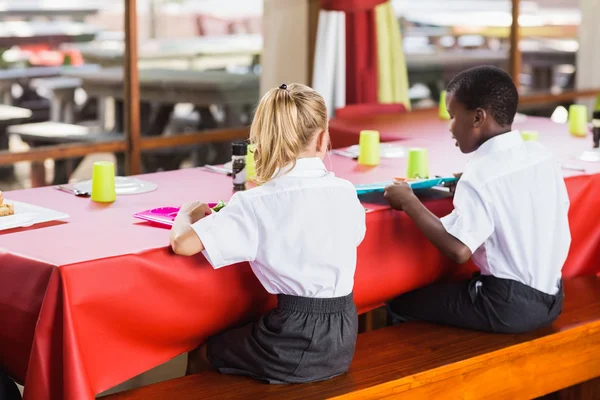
(442, 38)
(199, 62)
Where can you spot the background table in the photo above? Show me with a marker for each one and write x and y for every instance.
(161, 90)
(99, 298)
(24, 76)
(54, 33)
(110, 53)
(169, 87)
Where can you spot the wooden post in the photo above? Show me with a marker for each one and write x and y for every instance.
(132, 91)
(314, 7)
(515, 54)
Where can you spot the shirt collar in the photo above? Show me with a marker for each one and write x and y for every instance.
(305, 167)
(501, 142)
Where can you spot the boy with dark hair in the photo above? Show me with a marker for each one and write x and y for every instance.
(510, 216)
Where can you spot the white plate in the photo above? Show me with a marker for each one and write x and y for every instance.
(123, 185)
(27, 215)
(590, 156)
(386, 150)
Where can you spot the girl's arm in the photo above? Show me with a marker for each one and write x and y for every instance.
(184, 240)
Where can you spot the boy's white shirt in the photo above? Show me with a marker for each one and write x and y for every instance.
(511, 210)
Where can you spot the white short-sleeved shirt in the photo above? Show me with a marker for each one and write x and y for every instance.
(299, 231)
(511, 207)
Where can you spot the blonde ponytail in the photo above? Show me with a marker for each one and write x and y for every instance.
(285, 122)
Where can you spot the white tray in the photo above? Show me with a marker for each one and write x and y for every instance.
(27, 215)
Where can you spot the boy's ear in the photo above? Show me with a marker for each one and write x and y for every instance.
(479, 118)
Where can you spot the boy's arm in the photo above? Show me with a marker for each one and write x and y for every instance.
(401, 197)
(432, 228)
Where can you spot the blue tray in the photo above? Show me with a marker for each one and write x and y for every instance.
(415, 185)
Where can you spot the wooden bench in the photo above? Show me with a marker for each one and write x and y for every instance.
(423, 361)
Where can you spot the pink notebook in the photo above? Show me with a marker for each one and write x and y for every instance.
(163, 216)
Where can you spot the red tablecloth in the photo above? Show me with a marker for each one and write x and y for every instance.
(112, 301)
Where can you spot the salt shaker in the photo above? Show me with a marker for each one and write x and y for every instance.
(238, 165)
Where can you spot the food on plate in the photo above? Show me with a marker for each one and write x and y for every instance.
(399, 179)
(219, 206)
(5, 209)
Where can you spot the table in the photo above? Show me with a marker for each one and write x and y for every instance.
(175, 86)
(110, 53)
(14, 33)
(77, 13)
(162, 89)
(111, 301)
(23, 76)
(61, 92)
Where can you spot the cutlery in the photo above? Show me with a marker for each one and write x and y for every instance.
(73, 191)
(218, 170)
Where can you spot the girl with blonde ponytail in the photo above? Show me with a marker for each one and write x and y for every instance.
(299, 231)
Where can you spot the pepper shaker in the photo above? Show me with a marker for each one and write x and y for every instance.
(239, 150)
(596, 128)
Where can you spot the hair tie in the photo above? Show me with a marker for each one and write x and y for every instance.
(283, 86)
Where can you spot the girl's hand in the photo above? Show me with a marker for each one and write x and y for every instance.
(184, 241)
(195, 211)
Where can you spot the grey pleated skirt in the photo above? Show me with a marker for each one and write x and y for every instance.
(301, 340)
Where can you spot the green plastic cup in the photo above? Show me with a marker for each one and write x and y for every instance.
(103, 182)
(578, 120)
(250, 164)
(368, 148)
(418, 166)
(530, 135)
(443, 111)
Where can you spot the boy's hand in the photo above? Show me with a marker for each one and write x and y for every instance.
(452, 185)
(399, 194)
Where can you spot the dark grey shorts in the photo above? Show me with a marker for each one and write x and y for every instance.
(301, 340)
(483, 303)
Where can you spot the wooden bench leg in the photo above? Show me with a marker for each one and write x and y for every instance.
(365, 322)
(38, 174)
(589, 390)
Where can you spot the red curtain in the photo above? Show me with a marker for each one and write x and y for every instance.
(361, 48)
(350, 5)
